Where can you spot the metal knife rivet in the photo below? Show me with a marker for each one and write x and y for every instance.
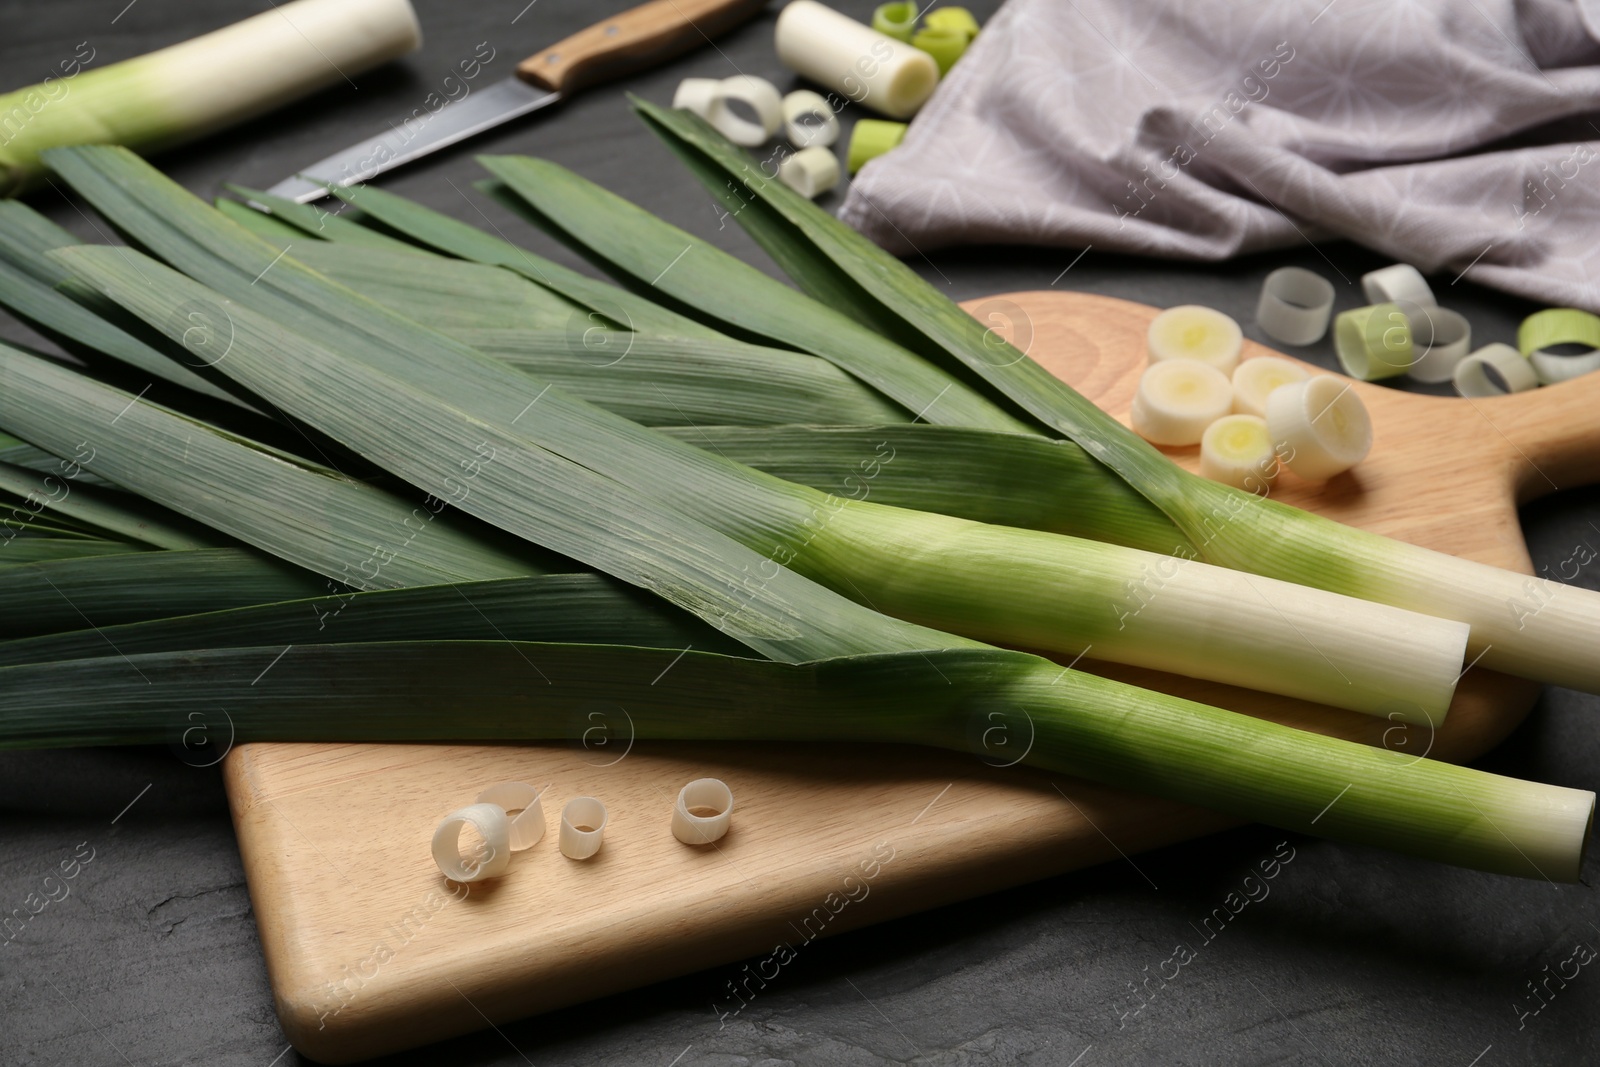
(553, 57)
(611, 30)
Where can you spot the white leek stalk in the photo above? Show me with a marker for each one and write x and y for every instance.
(1045, 591)
(191, 89)
(869, 68)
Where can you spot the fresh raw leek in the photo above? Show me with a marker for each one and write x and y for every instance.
(1522, 625)
(190, 89)
(696, 534)
(935, 570)
(983, 581)
(1080, 725)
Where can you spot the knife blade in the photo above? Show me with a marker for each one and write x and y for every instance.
(635, 40)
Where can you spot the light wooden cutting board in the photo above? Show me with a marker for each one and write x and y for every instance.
(370, 950)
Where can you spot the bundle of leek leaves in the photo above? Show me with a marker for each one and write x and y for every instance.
(474, 494)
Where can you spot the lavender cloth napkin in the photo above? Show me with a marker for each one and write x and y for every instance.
(1457, 135)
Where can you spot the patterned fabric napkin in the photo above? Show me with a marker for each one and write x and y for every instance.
(1458, 135)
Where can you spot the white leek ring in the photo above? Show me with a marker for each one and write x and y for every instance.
(1440, 339)
(760, 95)
(1192, 331)
(696, 95)
(856, 61)
(810, 171)
(703, 813)
(1515, 373)
(1177, 399)
(527, 826)
(1255, 379)
(1295, 306)
(1319, 427)
(1552, 368)
(1237, 450)
(583, 821)
(1399, 282)
(798, 125)
(490, 821)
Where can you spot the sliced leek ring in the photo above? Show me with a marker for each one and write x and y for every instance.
(583, 822)
(1374, 342)
(1399, 282)
(760, 95)
(1544, 330)
(810, 171)
(490, 821)
(896, 19)
(1515, 374)
(801, 128)
(1192, 331)
(1237, 450)
(1255, 379)
(1177, 399)
(952, 18)
(945, 46)
(1440, 339)
(1319, 427)
(703, 813)
(696, 94)
(527, 826)
(1295, 306)
(871, 138)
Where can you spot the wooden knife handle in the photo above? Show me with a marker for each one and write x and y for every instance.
(639, 38)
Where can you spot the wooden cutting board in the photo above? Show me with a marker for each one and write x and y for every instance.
(370, 950)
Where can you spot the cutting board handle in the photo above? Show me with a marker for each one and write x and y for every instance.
(639, 38)
(1553, 433)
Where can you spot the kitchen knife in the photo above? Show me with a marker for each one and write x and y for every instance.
(637, 39)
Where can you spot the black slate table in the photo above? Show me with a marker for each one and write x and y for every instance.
(1354, 957)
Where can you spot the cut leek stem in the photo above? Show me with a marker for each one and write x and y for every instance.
(1177, 399)
(1237, 450)
(1194, 331)
(191, 89)
(1255, 379)
(1067, 721)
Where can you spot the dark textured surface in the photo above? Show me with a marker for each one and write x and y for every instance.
(1354, 957)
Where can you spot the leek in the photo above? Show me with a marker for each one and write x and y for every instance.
(938, 571)
(645, 510)
(1080, 724)
(188, 90)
